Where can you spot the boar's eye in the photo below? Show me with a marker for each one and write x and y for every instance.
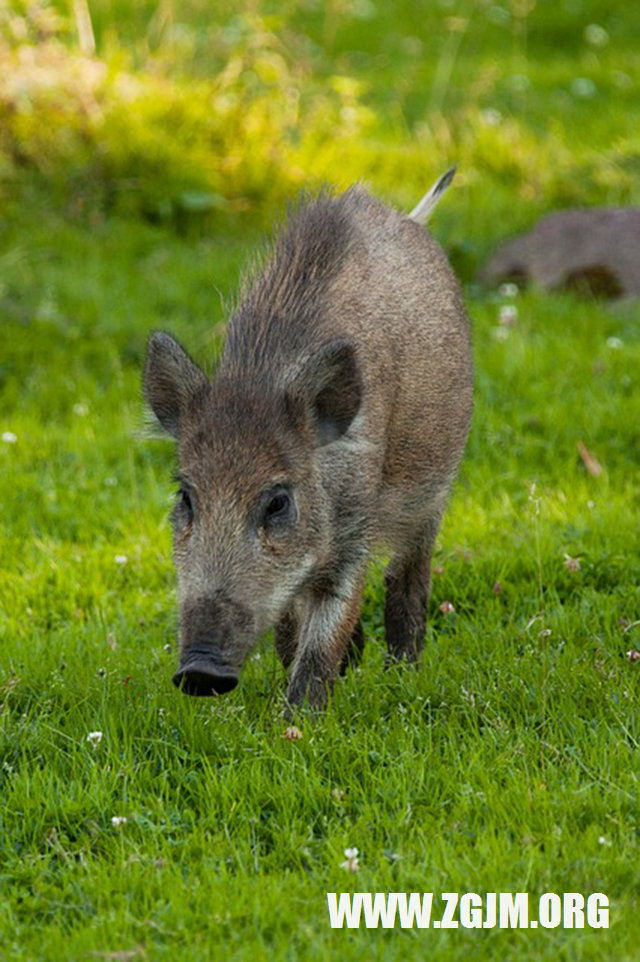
(184, 507)
(278, 507)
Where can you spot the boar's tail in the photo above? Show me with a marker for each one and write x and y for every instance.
(423, 210)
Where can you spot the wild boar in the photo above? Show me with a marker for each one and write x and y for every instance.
(333, 427)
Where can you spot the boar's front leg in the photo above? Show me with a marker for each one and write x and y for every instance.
(326, 625)
(286, 640)
(286, 637)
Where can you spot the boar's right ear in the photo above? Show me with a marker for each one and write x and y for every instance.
(171, 378)
(326, 392)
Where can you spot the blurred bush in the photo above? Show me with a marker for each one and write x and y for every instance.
(171, 148)
(148, 135)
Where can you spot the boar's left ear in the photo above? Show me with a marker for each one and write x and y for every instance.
(326, 392)
(170, 380)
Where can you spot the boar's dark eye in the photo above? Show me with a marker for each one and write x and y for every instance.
(184, 508)
(277, 508)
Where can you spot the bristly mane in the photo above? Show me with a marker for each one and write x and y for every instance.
(281, 306)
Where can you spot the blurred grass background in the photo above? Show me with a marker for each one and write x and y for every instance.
(189, 110)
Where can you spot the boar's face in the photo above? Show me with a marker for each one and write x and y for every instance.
(251, 520)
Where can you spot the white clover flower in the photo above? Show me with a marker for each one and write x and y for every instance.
(9, 437)
(583, 87)
(121, 559)
(622, 79)
(596, 35)
(118, 820)
(508, 315)
(94, 738)
(350, 863)
(615, 343)
(81, 410)
(509, 289)
(491, 117)
(292, 734)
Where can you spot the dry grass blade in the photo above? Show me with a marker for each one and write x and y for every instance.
(590, 462)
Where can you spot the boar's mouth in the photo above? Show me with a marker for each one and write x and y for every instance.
(203, 679)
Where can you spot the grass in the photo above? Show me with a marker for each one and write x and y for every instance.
(507, 762)
(187, 114)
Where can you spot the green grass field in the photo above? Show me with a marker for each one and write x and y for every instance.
(509, 760)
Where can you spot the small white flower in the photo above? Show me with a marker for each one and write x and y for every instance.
(508, 315)
(121, 559)
(81, 410)
(167, 647)
(583, 87)
(491, 117)
(118, 820)
(596, 35)
(615, 343)
(622, 79)
(9, 437)
(603, 841)
(351, 863)
(292, 734)
(508, 290)
(94, 738)
(591, 505)
(111, 482)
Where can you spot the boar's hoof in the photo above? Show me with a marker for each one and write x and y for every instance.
(203, 680)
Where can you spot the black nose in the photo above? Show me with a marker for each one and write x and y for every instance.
(203, 680)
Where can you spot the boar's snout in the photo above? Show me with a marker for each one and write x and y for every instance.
(213, 633)
(203, 678)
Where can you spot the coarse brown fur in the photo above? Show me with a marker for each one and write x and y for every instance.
(334, 426)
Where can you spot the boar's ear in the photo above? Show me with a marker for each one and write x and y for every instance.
(171, 378)
(326, 392)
